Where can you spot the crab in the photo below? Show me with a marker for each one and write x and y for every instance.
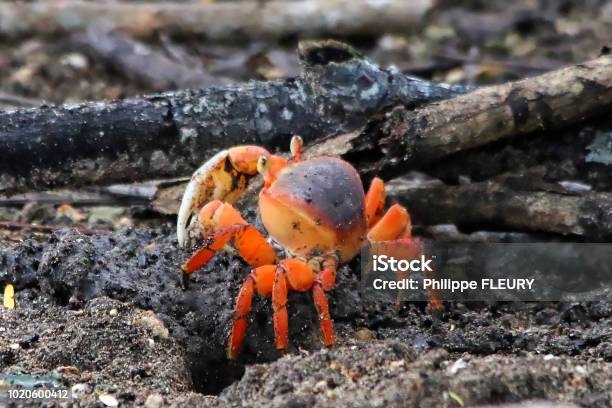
(315, 209)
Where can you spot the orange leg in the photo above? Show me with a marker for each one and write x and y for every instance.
(392, 225)
(327, 324)
(325, 281)
(277, 281)
(327, 277)
(279, 305)
(396, 226)
(301, 277)
(260, 279)
(225, 223)
(375, 201)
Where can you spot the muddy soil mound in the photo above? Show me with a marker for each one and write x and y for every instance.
(558, 351)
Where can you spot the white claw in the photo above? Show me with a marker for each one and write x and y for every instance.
(200, 190)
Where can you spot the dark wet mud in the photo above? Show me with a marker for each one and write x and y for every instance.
(111, 307)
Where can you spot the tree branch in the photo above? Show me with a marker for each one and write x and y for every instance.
(170, 134)
(489, 204)
(218, 21)
(407, 139)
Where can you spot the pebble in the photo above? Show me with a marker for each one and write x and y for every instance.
(149, 320)
(365, 334)
(27, 341)
(80, 389)
(397, 363)
(69, 371)
(138, 371)
(113, 312)
(457, 365)
(75, 60)
(320, 386)
(108, 400)
(154, 401)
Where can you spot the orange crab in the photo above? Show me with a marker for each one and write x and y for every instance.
(316, 209)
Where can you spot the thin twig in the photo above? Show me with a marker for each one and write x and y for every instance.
(12, 225)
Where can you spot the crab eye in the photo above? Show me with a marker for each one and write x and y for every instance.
(296, 145)
(263, 164)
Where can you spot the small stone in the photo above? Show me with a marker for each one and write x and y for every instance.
(113, 312)
(321, 385)
(14, 346)
(154, 401)
(27, 341)
(457, 365)
(138, 371)
(142, 261)
(68, 211)
(108, 400)
(80, 389)
(151, 247)
(397, 363)
(151, 342)
(104, 215)
(68, 371)
(365, 334)
(125, 222)
(149, 320)
(75, 60)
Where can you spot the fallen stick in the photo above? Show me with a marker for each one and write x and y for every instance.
(17, 100)
(142, 63)
(407, 139)
(226, 21)
(74, 198)
(171, 134)
(389, 146)
(488, 204)
(10, 225)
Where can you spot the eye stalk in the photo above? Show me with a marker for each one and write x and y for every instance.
(263, 165)
(296, 147)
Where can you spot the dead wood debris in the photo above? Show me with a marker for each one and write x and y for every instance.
(410, 138)
(171, 134)
(496, 205)
(216, 20)
(11, 225)
(142, 63)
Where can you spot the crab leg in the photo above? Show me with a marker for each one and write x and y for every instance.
(225, 224)
(395, 221)
(395, 228)
(260, 279)
(279, 305)
(327, 324)
(374, 202)
(327, 276)
(216, 242)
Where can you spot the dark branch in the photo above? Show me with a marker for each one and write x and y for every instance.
(170, 134)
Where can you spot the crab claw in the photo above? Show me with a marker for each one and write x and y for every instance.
(224, 177)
